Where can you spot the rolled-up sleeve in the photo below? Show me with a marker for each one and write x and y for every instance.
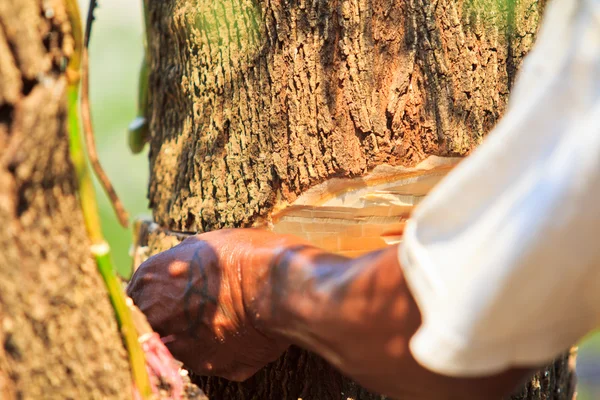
(503, 256)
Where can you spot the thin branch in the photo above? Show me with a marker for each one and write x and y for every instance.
(88, 23)
(88, 129)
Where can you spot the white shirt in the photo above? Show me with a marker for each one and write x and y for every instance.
(503, 256)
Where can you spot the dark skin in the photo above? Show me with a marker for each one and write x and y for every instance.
(231, 301)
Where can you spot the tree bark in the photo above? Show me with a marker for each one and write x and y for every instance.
(57, 328)
(254, 103)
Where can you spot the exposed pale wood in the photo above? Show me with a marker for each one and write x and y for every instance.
(354, 216)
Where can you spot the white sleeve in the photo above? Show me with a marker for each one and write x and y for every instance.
(503, 256)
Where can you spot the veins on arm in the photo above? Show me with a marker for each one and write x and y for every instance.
(196, 287)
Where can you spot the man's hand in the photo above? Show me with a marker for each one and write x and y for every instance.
(200, 296)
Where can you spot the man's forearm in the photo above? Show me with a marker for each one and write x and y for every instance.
(360, 315)
(322, 297)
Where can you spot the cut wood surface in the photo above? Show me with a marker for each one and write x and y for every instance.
(352, 216)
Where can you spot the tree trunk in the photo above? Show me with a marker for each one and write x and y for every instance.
(254, 103)
(57, 328)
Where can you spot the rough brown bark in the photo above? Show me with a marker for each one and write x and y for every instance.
(58, 335)
(252, 103)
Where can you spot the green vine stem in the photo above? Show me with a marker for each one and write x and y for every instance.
(87, 197)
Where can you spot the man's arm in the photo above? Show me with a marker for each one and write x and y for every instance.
(231, 301)
(360, 315)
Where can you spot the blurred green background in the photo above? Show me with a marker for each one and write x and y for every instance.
(116, 50)
(115, 57)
